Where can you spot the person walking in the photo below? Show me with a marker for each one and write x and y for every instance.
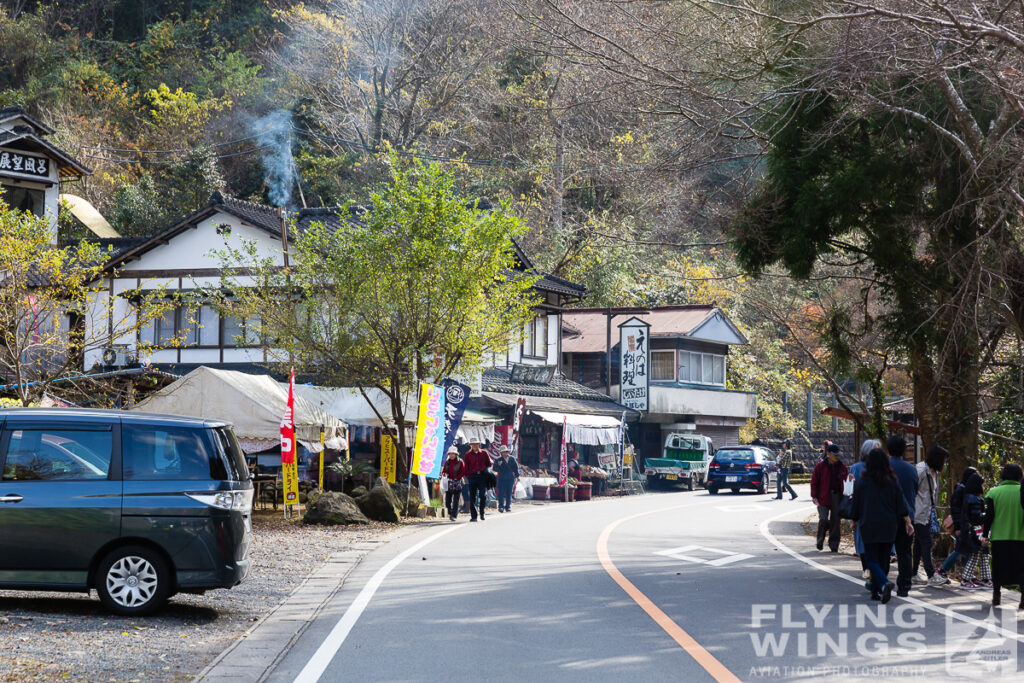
(906, 476)
(977, 572)
(827, 492)
(856, 470)
(924, 515)
(1004, 531)
(785, 461)
(507, 470)
(956, 502)
(455, 470)
(477, 462)
(879, 510)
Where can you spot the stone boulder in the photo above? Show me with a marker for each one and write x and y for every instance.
(415, 499)
(331, 508)
(381, 503)
(359, 491)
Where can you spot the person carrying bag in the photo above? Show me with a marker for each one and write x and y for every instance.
(453, 477)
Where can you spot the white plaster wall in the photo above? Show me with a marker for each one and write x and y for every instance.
(194, 248)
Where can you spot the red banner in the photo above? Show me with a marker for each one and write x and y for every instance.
(517, 426)
(289, 465)
(288, 425)
(563, 464)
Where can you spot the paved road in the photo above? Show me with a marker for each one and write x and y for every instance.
(693, 587)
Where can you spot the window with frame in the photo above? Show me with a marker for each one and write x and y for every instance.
(58, 455)
(183, 326)
(701, 368)
(663, 366)
(535, 338)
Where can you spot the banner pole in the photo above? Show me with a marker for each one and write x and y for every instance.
(322, 451)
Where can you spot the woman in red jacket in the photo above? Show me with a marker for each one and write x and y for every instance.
(455, 470)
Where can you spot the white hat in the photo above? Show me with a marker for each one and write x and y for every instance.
(502, 449)
(453, 449)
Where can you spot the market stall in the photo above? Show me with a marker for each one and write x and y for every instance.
(253, 404)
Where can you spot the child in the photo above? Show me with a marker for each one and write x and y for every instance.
(972, 519)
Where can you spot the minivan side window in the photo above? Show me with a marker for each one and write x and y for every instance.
(153, 453)
(58, 454)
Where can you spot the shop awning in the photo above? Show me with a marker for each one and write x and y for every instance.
(570, 406)
(585, 430)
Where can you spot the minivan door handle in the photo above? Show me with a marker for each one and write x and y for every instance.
(11, 498)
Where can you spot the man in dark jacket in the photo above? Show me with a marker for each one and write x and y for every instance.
(906, 476)
(507, 470)
(477, 461)
(827, 492)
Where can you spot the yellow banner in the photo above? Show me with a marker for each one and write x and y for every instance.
(388, 458)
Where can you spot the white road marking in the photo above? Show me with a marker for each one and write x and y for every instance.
(681, 553)
(948, 613)
(320, 660)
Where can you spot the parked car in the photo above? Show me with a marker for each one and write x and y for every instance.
(742, 467)
(137, 506)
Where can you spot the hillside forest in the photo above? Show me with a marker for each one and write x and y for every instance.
(843, 178)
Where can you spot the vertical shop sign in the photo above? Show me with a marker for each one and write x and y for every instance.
(388, 458)
(634, 364)
(289, 461)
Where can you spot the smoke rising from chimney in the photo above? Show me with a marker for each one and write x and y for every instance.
(274, 134)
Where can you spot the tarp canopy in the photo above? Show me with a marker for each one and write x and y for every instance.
(585, 430)
(253, 404)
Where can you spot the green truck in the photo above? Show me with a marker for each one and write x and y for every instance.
(684, 460)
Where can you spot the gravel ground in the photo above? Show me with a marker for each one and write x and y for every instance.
(69, 637)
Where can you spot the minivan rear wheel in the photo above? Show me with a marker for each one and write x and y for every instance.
(133, 580)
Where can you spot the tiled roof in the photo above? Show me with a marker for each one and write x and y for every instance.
(261, 216)
(8, 113)
(592, 325)
(553, 283)
(330, 217)
(500, 381)
(69, 167)
(904, 406)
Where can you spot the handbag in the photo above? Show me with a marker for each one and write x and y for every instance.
(846, 507)
(444, 483)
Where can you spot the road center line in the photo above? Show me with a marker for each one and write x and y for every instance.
(948, 613)
(321, 659)
(684, 639)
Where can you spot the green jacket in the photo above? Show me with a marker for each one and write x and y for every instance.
(1008, 522)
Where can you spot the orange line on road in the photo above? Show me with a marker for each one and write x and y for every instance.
(684, 639)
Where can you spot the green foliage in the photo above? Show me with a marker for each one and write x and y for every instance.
(417, 288)
(142, 206)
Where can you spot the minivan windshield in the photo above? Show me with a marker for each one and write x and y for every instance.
(737, 455)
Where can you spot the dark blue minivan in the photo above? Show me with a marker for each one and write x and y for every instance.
(137, 506)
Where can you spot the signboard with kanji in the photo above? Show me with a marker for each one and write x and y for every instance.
(634, 365)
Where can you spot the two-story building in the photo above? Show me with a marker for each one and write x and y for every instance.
(31, 167)
(689, 359)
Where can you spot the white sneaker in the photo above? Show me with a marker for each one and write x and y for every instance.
(938, 580)
(918, 579)
(865, 574)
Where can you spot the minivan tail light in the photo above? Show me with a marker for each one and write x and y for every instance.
(225, 500)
